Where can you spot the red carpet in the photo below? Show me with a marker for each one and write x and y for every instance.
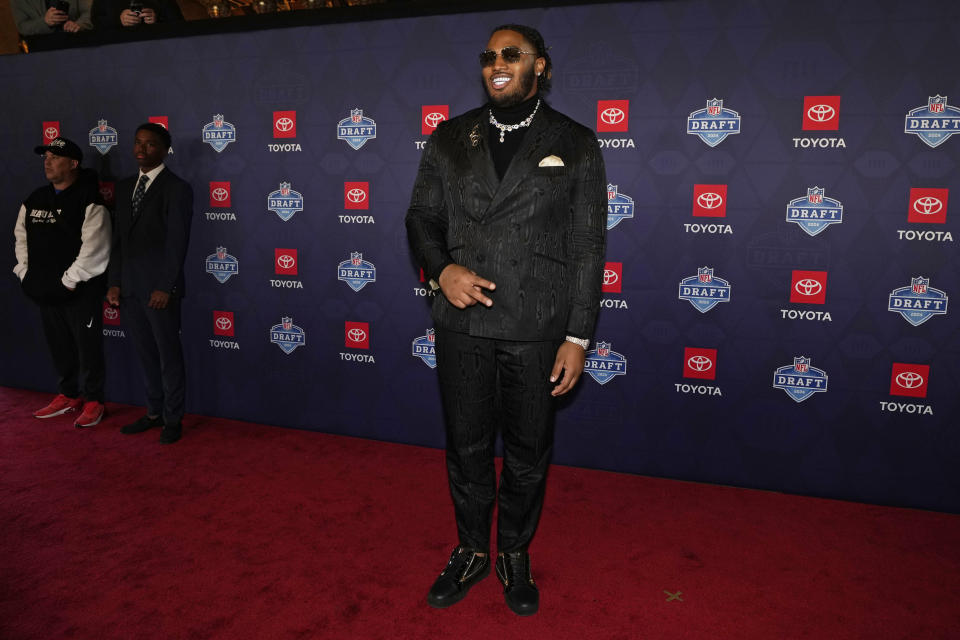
(248, 531)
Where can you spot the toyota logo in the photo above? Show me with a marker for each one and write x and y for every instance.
(433, 119)
(909, 379)
(610, 277)
(285, 261)
(700, 363)
(106, 192)
(284, 124)
(356, 195)
(928, 205)
(219, 194)
(50, 133)
(612, 115)
(223, 323)
(356, 335)
(709, 200)
(110, 313)
(808, 287)
(821, 113)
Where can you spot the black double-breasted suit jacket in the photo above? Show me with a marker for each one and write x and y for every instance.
(539, 234)
(148, 252)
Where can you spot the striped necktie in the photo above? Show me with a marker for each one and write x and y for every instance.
(138, 195)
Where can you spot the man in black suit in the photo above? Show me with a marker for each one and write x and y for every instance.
(145, 276)
(508, 220)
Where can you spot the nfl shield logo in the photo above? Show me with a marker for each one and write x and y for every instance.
(705, 274)
(284, 188)
(802, 365)
(218, 121)
(603, 348)
(286, 323)
(919, 285)
(714, 107)
(102, 125)
(356, 115)
(221, 252)
(937, 104)
(611, 192)
(815, 195)
(356, 259)
(430, 335)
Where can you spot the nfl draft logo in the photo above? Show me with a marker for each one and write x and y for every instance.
(919, 302)
(704, 290)
(619, 206)
(933, 123)
(814, 212)
(219, 133)
(51, 129)
(356, 271)
(604, 365)
(356, 129)
(287, 335)
(800, 380)
(284, 201)
(221, 265)
(423, 349)
(714, 123)
(102, 137)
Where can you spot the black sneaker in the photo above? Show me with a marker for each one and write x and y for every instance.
(519, 590)
(142, 424)
(465, 569)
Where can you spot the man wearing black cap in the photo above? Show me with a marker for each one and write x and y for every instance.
(508, 220)
(62, 248)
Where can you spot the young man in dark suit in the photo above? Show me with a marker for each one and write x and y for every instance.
(145, 276)
(508, 220)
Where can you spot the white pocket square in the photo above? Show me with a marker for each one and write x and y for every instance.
(551, 161)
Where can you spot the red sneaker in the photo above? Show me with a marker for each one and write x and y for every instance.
(58, 406)
(92, 414)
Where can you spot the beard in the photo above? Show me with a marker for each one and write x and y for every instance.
(525, 84)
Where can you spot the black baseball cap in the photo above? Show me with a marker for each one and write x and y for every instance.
(60, 146)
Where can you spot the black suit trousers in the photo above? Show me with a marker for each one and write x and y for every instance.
(156, 335)
(490, 385)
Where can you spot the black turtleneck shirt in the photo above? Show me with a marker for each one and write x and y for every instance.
(503, 152)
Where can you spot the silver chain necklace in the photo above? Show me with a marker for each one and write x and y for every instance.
(513, 127)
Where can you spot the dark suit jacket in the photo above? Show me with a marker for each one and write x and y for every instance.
(148, 254)
(540, 234)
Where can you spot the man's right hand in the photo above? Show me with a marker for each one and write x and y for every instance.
(464, 288)
(54, 16)
(129, 18)
(113, 296)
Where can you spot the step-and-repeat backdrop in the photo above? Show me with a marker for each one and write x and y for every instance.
(782, 245)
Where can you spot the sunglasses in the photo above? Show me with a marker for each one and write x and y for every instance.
(510, 55)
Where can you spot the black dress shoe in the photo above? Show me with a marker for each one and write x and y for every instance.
(519, 590)
(465, 569)
(170, 433)
(142, 424)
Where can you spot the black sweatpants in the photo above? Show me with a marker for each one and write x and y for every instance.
(74, 333)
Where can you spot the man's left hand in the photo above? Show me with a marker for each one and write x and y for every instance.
(159, 300)
(71, 27)
(569, 361)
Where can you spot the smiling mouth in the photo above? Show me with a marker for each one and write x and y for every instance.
(499, 81)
